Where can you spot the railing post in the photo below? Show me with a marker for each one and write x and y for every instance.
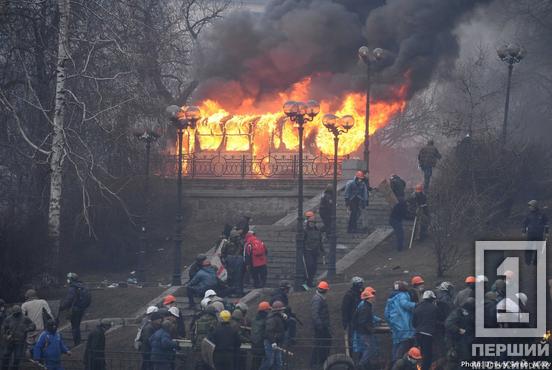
(243, 166)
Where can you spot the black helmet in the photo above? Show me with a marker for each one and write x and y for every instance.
(71, 276)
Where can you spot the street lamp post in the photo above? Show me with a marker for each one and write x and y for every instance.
(336, 126)
(369, 57)
(147, 136)
(510, 54)
(181, 118)
(299, 113)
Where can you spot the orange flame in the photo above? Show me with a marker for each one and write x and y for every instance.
(244, 129)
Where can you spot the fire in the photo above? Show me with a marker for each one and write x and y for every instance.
(245, 129)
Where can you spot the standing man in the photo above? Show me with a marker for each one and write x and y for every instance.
(417, 287)
(425, 318)
(281, 294)
(460, 327)
(364, 328)
(422, 212)
(153, 324)
(399, 212)
(94, 354)
(427, 159)
(38, 311)
(312, 247)
(275, 332)
(356, 197)
(203, 280)
(78, 299)
(398, 313)
(163, 348)
(49, 347)
(14, 335)
(536, 227)
(326, 207)
(350, 301)
(397, 186)
(467, 292)
(227, 344)
(232, 258)
(258, 328)
(321, 323)
(202, 328)
(256, 259)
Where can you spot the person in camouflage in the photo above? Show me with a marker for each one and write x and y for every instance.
(202, 328)
(427, 159)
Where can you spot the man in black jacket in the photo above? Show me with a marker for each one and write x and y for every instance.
(227, 343)
(281, 294)
(147, 331)
(321, 323)
(398, 214)
(535, 226)
(460, 327)
(258, 328)
(325, 210)
(13, 336)
(350, 301)
(364, 325)
(76, 301)
(424, 320)
(94, 354)
(397, 186)
(275, 331)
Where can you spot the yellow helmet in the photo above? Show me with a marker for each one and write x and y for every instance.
(225, 316)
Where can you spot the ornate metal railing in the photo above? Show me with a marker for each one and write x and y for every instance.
(282, 166)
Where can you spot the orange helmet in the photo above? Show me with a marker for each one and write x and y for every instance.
(368, 292)
(415, 353)
(416, 280)
(323, 285)
(309, 215)
(359, 175)
(264, 306)
(169, 300)
(470, 280)
(419, 188)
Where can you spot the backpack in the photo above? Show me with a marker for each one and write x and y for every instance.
(258, 253)
(84, 298)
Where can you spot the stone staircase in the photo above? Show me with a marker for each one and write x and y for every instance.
(280, 237)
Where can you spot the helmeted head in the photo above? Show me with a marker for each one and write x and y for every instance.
(400, 285)
(414, 354)
(72, 277)
(225, 316)
(151, 309)
(323, 287)
(175, 312)
(168, 300)
(445, 286)
(242, 307)
(51, 326)
(357, 282)
(359, 176)
(428, 295)
(470, 280)
(417, 282)
(522, 298)
(263, 306)
(237, 315)
(368, 293)
(419, 188)
(278, 306)
(210, 293)
(533, 205)
(30, 294)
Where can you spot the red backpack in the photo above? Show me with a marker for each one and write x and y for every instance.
(257, 251)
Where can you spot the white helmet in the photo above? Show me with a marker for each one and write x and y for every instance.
(151, 309)
(356, 280)
(210, 293)
(204, 303)
(174, 311)
(522, 297)
(428, 294)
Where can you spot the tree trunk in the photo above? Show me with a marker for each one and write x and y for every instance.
(58, 138)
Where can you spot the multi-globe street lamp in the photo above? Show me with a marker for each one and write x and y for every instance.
(336, 126)
(147, 136)
(369, 57)
(509, 54)
(181, 118)
(299, 113)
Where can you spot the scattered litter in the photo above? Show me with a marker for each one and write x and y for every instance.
(113, 285)
(378, 268)
(406, 272)
(389, 259)
(396, 267)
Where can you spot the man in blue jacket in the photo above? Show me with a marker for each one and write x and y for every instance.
(49, 347)
(356, 197)
(203, 280)
(78, 299)
(398, 314)
(163, 348)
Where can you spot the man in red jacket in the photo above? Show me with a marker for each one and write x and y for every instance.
(256, 258)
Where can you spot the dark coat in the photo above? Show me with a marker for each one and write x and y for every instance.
(225, 339)
(460, 318)
(399, 212)
(162, 346)
(275, 328)
(145, 335)
(428, 156)
(326, 202)
(94, 354)
(16, 326)
(313, 239)
(350, 301)
(320, 312)
(364, 318)
(397, 186)
(279, 295)
(258, 328)
(204, 279)
(535, 225)
(71, 299)
(425, 317)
